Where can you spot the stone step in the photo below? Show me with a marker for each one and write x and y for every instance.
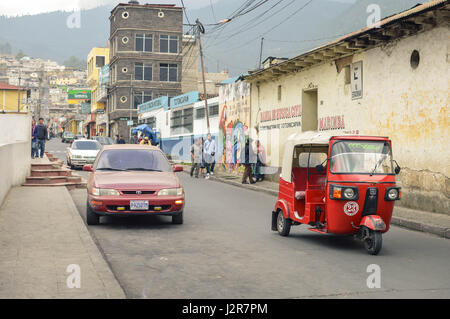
(50, 172)
(46, 180)
(69, 186)
(45, 166)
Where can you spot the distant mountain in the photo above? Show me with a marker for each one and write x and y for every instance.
(287, 28)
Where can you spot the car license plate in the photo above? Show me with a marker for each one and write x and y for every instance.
(138, 204)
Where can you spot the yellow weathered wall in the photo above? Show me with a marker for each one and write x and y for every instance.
(408, 105)
(8, 100)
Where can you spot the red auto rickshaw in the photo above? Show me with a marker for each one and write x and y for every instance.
(339, 185)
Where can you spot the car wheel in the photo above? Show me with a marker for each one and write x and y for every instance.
(283, 224)
(177, 219)
(91, 217)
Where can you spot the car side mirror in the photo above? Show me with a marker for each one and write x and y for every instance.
(88, 168)
(177, 168)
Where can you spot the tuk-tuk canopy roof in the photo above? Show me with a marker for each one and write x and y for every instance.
(315, 139)
(296, 139)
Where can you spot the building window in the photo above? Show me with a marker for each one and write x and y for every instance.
(213, 110)
(200, 113)
(168, 44)
(279, 93)
(182, 121)
(415, 59)
(99, 61)
(141, 97)
(144, 42)
(168, 72)
(143, 72)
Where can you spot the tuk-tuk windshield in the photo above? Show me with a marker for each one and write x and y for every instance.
(361, 157)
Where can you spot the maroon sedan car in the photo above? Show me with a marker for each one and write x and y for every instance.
(133, 179)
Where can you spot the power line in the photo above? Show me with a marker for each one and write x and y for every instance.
(272, 28)
(185, 14)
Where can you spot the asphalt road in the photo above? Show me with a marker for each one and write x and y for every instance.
(225, 249)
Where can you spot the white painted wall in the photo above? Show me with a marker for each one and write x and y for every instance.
(410, 106)
(15, 151)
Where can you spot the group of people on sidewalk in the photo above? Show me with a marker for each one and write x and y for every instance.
(203, 156)
(39, 135)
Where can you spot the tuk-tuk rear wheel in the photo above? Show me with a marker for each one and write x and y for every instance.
(373, 242)
(283, 224)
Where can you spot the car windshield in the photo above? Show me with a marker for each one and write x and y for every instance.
(86, 145)
(361, 157)
(133, 159)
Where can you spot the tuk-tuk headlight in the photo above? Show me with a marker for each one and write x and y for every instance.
(343, 192)
(392, 194)
(349, 193)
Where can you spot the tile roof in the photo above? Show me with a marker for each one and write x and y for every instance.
(6, 86)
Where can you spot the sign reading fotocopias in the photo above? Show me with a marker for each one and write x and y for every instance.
(284, 113)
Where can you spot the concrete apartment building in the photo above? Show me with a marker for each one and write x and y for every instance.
(145, 59)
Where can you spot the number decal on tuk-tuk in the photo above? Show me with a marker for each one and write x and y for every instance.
(351, 208)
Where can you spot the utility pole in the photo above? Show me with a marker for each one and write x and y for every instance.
(260, 53)
(201, 29)
(131, 104)
(18, 90)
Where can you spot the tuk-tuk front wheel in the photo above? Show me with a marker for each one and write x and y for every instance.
(283, 224)
(373, 241)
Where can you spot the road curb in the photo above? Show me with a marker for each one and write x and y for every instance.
(398, 221)
(113, 289)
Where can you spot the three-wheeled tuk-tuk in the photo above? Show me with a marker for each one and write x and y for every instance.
(337, 184)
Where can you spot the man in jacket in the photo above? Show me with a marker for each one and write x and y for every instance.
(34, 151)
(210, 152)
(249, 158)
(42, 136)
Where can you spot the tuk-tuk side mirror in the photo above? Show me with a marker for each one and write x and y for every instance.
(397, 169)
(319, 168)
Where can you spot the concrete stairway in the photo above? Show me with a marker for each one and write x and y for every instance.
(50, 171)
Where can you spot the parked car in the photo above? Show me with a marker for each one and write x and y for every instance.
(130, 179)
(67, 137)
(82, 152)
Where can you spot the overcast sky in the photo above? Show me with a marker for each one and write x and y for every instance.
(22, 7)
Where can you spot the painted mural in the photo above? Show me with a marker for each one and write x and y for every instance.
(234, 123)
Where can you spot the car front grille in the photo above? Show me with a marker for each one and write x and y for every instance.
(127, 208)
(138, 192)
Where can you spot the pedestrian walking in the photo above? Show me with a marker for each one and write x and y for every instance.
(34, 140)
(248, 158)
(134, 139)
(196, 157)
(210, 152)
(202, 164)
(260, 161)
(121, 140)
(42, 136)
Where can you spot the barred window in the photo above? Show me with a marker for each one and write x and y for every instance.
(182, 121)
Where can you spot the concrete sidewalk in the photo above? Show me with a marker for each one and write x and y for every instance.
(41, 234)
(437, 224)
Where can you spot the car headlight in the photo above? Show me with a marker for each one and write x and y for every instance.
(104, 192)
(392, 194)
(171, 192)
